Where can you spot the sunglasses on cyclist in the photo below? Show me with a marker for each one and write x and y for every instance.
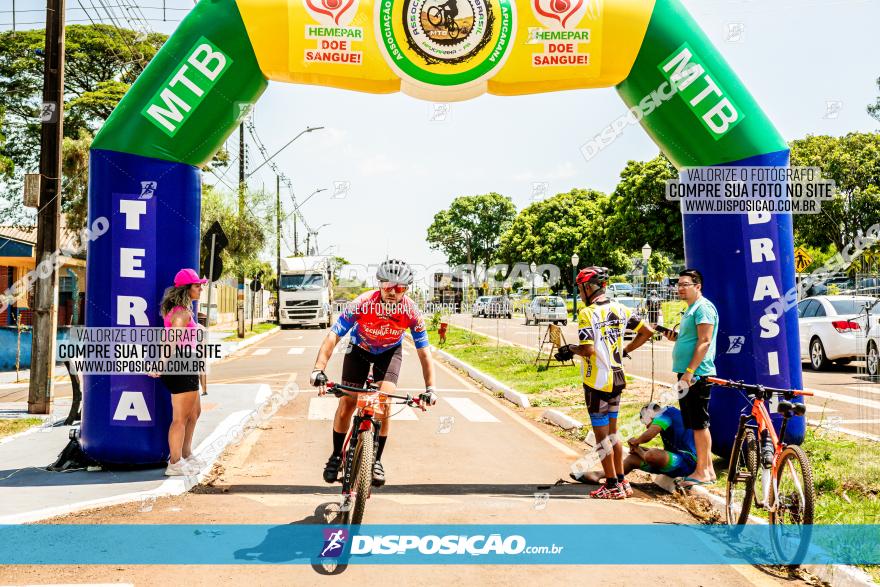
(394, 286)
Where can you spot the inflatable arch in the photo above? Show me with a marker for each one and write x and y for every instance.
(198, 87)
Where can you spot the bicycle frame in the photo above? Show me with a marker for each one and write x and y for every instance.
(763, 424)
(370, 403)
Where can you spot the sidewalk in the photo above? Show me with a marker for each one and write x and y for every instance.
(28, 492)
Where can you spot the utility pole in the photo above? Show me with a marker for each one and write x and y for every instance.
(241, 210)
(278, 247)
(48, 217)
(295, 243)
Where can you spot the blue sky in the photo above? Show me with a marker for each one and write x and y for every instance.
(796, 56)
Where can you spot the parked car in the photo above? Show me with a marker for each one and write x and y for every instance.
(619, 289)
(547, 309)
(479, 307)
(498, 307)
(832, 328)
(635, 304)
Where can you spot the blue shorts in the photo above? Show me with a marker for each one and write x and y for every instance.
(681, 464)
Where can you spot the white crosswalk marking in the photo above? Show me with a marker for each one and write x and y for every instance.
(470, 410)
(322, 408)
(296, 350)
(261, 352)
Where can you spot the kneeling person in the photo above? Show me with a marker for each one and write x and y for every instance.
(677, 458)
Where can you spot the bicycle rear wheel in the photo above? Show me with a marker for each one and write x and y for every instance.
(363, 476)
(741, 474)
(794, 502)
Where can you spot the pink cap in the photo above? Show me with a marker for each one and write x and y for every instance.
(187, 277)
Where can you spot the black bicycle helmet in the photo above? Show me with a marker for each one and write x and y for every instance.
(395, 271)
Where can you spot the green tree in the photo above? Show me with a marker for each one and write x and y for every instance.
(101, 62)
(640, 212)
(550, 231)
(469, 230)
(75, 179)
(853, 162)
(874, 109)
(247, 233)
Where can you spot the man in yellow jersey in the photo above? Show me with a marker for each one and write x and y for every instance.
(601, 326)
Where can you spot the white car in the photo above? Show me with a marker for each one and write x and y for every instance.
(480, 304)
(832, 328)
(637, 305)
(547, 309)
(872, 334)
(619, 289)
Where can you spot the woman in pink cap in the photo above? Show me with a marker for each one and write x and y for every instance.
(176, 309)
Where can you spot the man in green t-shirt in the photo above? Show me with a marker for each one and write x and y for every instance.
(693, 359)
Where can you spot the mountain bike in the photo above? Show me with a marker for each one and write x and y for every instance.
(787, 491)
(359, 450)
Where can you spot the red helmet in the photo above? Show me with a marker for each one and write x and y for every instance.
(597, 276)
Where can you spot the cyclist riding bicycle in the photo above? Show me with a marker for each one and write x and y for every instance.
(377, 320)
(450, 9)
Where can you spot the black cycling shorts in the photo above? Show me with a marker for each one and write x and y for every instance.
(695, 404)
(357, 362)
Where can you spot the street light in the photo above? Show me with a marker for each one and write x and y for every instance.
(646, 254)
(296, 208)
(314, 232)
(574, 289)
(534, 268)
(308, 129)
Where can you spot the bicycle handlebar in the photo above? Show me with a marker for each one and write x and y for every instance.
(350, 391)
(760, 389)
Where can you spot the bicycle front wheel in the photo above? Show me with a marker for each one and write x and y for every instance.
(794, 502)
(741, 476)
(435, 16)
(363, 476)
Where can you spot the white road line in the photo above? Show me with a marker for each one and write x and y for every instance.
(870, 421)
(470, 410)
(322, 408)
(847, 399)
(517, 418)
(296, 350)
(402, 413)
(848, 431)
(261, 352)
(865, 389)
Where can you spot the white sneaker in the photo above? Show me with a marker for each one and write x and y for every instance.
(181, 467)
(195, 462)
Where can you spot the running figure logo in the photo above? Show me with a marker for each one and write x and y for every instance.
(736, 344)
(334, 542)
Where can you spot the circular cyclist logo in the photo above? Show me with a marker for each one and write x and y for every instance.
(446, 42)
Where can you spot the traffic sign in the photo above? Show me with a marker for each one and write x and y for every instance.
(802, 259)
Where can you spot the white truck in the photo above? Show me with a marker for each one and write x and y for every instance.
(305, 292)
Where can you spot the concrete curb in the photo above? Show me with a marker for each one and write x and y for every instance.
(836, 575)
(511, 395)
(564, 421)
(229, 431)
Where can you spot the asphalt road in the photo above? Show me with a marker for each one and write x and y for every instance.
(471, 459)
(845, 398)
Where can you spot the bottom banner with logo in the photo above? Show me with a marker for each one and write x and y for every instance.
(67, 544)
